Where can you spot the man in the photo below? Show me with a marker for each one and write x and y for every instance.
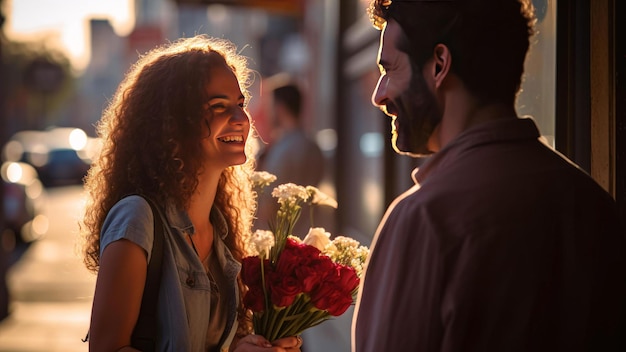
(292, 157)
(502, 244)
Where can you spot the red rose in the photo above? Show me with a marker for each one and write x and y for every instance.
(254, 299)
(315, 272)
(348, 279)
(334, 294)
(288, 261)
(251, 271)
(335, 303)
(303, 250)
(283, 289)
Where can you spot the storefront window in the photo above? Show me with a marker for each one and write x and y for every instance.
(538, 95)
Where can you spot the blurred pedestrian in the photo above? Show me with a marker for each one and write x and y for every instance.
(176, 132)
(503, 244)
(291, 156)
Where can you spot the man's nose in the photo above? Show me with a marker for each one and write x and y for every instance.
(380, 92)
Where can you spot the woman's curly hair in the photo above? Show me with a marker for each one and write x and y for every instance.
(151, 139)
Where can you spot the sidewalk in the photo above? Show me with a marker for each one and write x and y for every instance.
(50, 288)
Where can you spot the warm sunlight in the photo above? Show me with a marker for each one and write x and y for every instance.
(64, 24)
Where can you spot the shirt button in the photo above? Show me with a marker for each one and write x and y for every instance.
(190, 281)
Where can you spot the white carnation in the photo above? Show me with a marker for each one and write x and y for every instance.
(262, 178)
(290, 193)
(263, 241)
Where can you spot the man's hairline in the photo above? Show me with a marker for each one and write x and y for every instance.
(402, 42)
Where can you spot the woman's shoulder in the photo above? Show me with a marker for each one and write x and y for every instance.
(130, 218)
(132, 208)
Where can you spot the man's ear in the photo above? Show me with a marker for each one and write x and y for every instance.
(442, 60)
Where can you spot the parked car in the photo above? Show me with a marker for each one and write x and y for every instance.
(61, 155)
(22, 222)
(23, 196)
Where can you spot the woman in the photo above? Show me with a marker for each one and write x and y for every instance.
(175, 132)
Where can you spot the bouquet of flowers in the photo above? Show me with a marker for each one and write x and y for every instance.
(296, 284)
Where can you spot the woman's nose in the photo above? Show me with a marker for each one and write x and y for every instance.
(240, 117)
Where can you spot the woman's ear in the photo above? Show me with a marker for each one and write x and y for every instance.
(442, 59)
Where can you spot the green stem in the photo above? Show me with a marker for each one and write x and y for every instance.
(286, 318)
(267, 301)
(276, 314)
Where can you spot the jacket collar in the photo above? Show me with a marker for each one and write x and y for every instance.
(179, 219)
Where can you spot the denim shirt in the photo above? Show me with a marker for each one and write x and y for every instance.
(184, 295)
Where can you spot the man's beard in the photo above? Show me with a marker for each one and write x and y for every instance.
(417, 116)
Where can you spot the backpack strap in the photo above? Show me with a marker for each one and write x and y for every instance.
(145, 331)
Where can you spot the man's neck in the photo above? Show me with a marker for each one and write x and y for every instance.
(464, 113)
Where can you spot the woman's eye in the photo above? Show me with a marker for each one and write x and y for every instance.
(218, 108)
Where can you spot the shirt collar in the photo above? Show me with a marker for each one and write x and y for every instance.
(496, 131)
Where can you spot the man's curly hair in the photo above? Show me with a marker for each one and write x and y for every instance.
(488, 39)
(151, 139)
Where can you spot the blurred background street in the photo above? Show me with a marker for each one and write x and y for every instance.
(50, 289)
